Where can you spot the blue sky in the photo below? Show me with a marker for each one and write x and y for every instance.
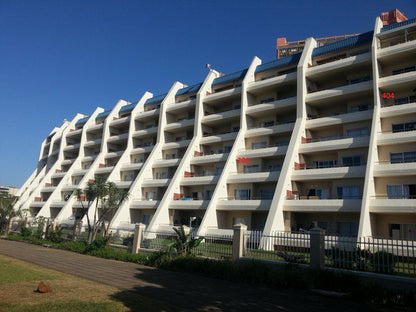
(58, 58)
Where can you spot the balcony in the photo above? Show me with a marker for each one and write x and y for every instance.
(218, 137)
(338, 119)
(398, 49)
(390, 138)
(103, 168)
(208, 158)
(118, 138)
(343, 62)
(271, 81)
(269, 150)
(387, 169)
(120, 121)
(189, 204)
(180, 124)
(94, 142)
(146, 114)
(181, 105)
(336, 142)
(144, 204)
(161, 163)
(123, 184)
(156, 182)
(221, 116)
(339, 92)
(256, 109)
(178, 144)
(396, 81)
(311, 204)
(71, 147)
(219, 95)
(69, 187)
(145, 132)
(266, 176)
(73, 133)
(407, 107)
(205, 178)
(382, 204)
(278, 128)
(253, 204)
(142, 148)
(131, 166)
(336, 172)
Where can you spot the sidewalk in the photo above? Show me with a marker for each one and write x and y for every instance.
(186, 291)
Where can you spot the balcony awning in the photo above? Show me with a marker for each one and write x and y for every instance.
(82, 121)
(230, 77)
(155, 99)
(397, 25)
(343, 44)
(278, 63)
(103, 114)
(128, 108)
(191, 89)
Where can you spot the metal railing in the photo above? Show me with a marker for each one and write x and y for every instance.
(388, 256)
(278, 246)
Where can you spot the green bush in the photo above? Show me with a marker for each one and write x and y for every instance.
(74, 246)
(25, 232)
(98, 243)
(383, 262)
(55, 235)
(109, 253)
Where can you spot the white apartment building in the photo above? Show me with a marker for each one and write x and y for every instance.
(322, 138)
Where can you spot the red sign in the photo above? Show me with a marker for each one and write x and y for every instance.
(388, 95)
(243, 160)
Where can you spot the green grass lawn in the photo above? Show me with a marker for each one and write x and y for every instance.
(19, 280)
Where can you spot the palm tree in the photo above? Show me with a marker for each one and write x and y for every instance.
(107, 197)
(7, 211)
(184, 244)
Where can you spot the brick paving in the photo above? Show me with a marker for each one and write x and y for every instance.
(187, 292)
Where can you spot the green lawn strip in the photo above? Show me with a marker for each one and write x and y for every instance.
(19, 280)
(70, 306)
(11, 272)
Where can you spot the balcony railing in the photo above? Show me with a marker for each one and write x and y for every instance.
(342, 84)
(207, 134)
(247, 198)
(330, 138)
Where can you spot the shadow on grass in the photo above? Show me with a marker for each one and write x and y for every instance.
(174, 291)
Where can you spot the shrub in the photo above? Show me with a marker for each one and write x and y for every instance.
(74, 246)
(383, 262)
(98, 243)
(25, 232)
(109, 253)
(55, 235)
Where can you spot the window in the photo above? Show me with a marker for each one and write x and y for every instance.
(405, 100)
(150, 196)
(348, 192)
(404, 70)
(218, 170)
(266, 194)
(352, 161)
(240, 221)
(359, 108)
(268, 100)
(208, 194)
(258, 145)
(401, 191)
(408, 126)
(347, 228)
(353, 133)
(274, 167)
(242, 194)
(405, 157)
(325, 164)
(227, 149)
(146, 219)
(269, 123)
(251, 169)
(320, 193)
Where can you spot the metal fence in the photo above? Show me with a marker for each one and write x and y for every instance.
(279, 246)
(216, 246)
(372, 255)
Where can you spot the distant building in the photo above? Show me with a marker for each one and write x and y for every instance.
(285, 48)
(9, 189)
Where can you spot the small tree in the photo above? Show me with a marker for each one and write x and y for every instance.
(107, 198)
(7, 211)
(184, 244)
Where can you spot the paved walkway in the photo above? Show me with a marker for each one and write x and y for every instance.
(186, 291)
